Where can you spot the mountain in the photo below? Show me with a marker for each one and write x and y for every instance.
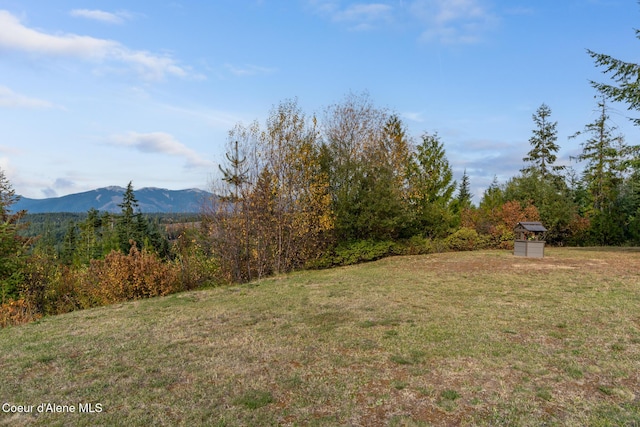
(107, 199)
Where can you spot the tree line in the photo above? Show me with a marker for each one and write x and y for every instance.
(297, 188)
(100, 258)
(314, 191)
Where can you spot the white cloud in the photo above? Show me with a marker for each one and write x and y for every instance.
(364, 16)
(442, 21)
(453, 21)
(360, 16)
(162, 143)
(9, 150)
(416, 116)
(100, 15)
(15, 36)
(9, 171)
(218, 119)
(248, 70)
(11, 99)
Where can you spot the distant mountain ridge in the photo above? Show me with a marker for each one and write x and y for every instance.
(150, 200)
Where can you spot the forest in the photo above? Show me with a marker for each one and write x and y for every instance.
(305, 191)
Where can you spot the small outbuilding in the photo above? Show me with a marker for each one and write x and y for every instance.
(529, 239)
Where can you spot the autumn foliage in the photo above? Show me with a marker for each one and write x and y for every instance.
(498, 222)
(119, 277)
(53, 288)
(16, 312)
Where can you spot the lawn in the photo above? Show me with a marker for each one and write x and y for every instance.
(469, 338)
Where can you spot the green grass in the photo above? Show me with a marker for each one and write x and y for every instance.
(473, 338)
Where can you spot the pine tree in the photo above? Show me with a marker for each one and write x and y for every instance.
(626, 78)
(69, 244)
(382, 207)
(542, 156)
(236, 174)
(109, 238)
(12, 245)
(464, 192)
(88, 245)
(353, 132)
(630, 205)
(431, 187)
(492, 198)
(128, 224)
(603, 151)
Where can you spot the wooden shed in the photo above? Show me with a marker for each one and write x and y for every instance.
(529, 239)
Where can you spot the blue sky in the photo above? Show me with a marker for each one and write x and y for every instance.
(99, 93)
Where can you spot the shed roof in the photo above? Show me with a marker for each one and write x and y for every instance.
(531, 226)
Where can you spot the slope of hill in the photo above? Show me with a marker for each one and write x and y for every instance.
(470, 338)
(108, 198)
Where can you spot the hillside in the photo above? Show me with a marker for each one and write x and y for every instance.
(472, 338)
(158, 200)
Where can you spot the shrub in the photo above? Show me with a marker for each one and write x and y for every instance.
(194, 264)
(418, 245)
(362, 250)
(466, 239)
(502, 237)
(16, 312)
(49, 288)
(119, 277)
(355, 252)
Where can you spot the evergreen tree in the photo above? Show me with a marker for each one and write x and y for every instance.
(12, 245)
(542, 156)
(493, 197)
(236, 174)
(46, 242)
(382, 207)
(626, 80)
(431, 187)
(88, 245)
(541, 182)
(603, 154)
(490, 205)
(353, 132)
(129, 223)
(464, 192)
(109, 238)
(69, 243)
(155, 239)
(630, 205)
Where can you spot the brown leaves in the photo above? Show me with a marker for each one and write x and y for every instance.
(120, 277)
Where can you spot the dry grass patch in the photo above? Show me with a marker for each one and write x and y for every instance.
(473, 338)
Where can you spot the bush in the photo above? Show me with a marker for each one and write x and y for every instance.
(195, 266)
(49, 288)
(466, 239)
(119, 277)
(503, 237)
(418, 245)
(355, 252)
(16, 312)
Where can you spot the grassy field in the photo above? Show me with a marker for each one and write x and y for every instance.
(473, 338)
